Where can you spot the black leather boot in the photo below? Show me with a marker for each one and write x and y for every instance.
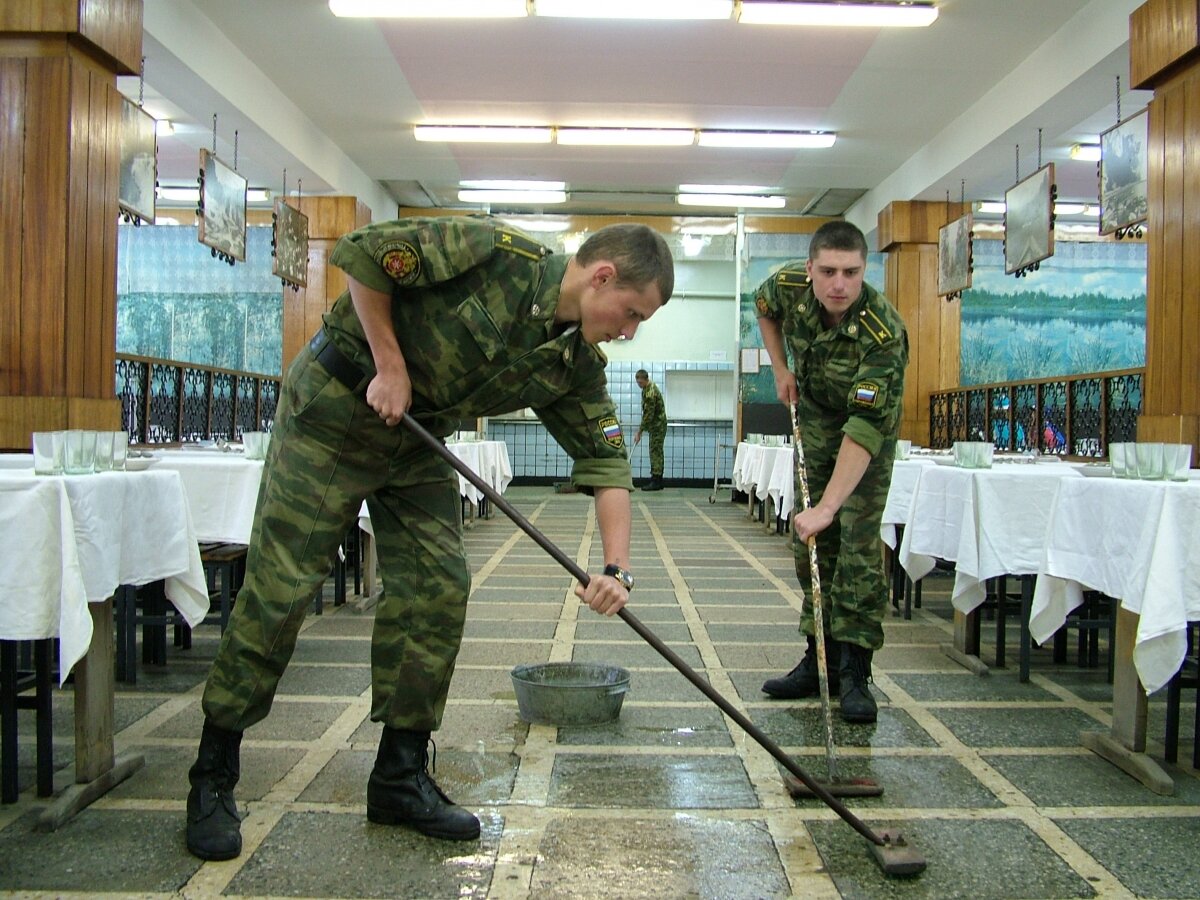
(213, 825)
(401, 791)
(654, 484)
(803, 680)
(858, 705)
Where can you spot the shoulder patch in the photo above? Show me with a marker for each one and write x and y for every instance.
(866, 394)
(517, 243)
(400, 260)
(875, 326)
(610, 432)
(792, 278)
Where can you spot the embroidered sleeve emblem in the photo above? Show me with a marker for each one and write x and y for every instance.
(866, 394)
(401, 261)
(610, 432)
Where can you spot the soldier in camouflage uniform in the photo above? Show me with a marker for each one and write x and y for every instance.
(848, 349)
(445, 318)
(654, 423)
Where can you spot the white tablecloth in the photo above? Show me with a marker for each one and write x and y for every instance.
(905, 473)
(989, 522)
(488, 459)
(16, 461)
(222, 490)
(69, 540)
(1133, 540)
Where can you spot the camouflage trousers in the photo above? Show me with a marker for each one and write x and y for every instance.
(657, 436)
(328, 452)
(854, 585)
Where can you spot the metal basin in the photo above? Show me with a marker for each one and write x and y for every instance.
(570, 693)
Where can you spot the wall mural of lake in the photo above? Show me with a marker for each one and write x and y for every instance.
(1084, 310)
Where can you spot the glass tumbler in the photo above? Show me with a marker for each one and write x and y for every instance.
(1149, 460)
(48, 452)
(79, 456)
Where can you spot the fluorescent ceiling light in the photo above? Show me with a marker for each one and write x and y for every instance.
(502, 185)
(192, 194)
(531, 197)
(748, 201)
(1086, 152)
(539, 225)
(768, 139)
(496, 134)
(626, 137)
(996, 207)
(722, 189)
(429, 9)
(164, 126)
(870, 15)
(635, 9)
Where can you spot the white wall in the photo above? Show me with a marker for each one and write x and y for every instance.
(699, 324)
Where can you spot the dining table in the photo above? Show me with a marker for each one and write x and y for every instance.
(990, 522)
(67, 542)
(222, 487)
(1134, 541)
(487, 459)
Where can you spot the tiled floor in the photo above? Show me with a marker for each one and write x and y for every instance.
(986, 775)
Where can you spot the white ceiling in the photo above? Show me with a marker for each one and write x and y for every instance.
(918, 112)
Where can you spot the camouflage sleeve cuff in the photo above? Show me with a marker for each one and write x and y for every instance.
(862, 432)
(593, 473)
(359, 265)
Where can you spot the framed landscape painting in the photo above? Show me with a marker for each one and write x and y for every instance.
(954, 256)
(1029, 221)
(291, 245)
(1123, 197)
(223, 205)
(139, 163)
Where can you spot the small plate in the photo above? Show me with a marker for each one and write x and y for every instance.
(139, 463)
(1095, 471)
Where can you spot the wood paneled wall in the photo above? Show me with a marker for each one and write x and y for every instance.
(908, 234)
(1165, 54)
(112, 28)
(60, 115)
(328, 219)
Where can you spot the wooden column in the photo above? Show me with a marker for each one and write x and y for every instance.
(60, 114)
(908, 234)
(328, 219)
(1164, 41)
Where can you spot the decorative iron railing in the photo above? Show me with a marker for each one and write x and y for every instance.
(1077, 415)
(163, 401)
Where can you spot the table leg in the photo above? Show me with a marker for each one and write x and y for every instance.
(1125, 744)
(965, 649)
(97, 769)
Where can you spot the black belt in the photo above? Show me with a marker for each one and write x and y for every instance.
(335, 361)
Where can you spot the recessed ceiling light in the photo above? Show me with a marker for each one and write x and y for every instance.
(538, 198)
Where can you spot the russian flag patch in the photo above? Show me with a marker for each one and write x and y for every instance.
(866, 394)
(610, 432)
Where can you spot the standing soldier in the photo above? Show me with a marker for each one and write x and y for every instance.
(848, 349)
(654, 423)
(446, 318)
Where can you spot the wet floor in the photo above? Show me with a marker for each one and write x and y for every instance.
(985, 776)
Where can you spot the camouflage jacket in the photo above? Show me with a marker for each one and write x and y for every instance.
(654, 410)
(850, 377)
(473, 303)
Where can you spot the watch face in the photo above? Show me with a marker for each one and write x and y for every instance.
(626, 578)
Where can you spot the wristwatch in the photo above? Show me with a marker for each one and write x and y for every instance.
(622, 575)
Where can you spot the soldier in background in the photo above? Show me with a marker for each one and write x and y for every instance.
(848, 349)
(654, 423)
(445, 318)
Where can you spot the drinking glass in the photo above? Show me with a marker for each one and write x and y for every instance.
(903, 449)
(79, 455)
(255, 443)
(1177, 460)
(982, 452)
(1118, 458)
(104, 451)
(962, 454)
(48, 452)
(120, 449)
(1149, 460)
